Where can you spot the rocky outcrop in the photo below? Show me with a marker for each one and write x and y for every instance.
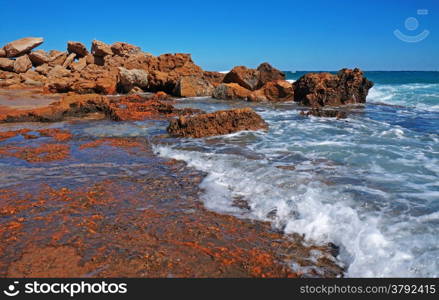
(22, 64)
(129, 79)
(22, 46)
(325, 89)
(57, 58)
(192, 86)
(78, 48)
(231, 91)
(253, 79)
(216, 123)
(2, 52)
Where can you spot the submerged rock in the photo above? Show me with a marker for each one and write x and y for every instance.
(325, 89)
(216, 123)
(327, 113)
(22, 46)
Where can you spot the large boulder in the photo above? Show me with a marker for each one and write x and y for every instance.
(279, 90)
(22, 64)
(231, 91)
(78, 48)
(325, 89)
(267, 73)
(129, 79)
(79, 65)
(100, 49)
(124, 49)
(253, 79)
(192, 86)
(39, 58)
(216, 123)
(6, 64)
(22, 46)
(245, 77)
(2, 52)
(215, 78)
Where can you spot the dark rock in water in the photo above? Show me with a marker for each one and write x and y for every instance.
(253, 79)
(22, 46)
(325, 89)
(327, 113)
(216, 123)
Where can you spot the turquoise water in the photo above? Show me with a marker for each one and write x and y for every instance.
(369, 184)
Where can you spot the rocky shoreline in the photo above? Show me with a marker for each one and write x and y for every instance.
(93, 230)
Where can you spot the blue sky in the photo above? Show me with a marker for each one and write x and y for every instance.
(292, 35)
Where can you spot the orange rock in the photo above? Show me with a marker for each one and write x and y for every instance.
(231, 91)
(22, 64)
(192, 86)
(217, 123)
(22, 46)
(6, 64)
(78, 48)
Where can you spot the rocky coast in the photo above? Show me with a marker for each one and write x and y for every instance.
(84, 205)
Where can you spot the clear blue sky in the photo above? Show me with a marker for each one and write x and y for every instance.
(292, 35)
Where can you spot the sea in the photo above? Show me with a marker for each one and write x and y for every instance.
(368, 184)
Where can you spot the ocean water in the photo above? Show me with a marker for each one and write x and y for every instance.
(369, 184)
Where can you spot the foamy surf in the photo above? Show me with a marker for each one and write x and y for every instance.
(367, 184)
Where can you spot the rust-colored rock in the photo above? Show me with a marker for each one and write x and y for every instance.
(69, 60)
(231, 91)
(192, 86)
(325, 89)
(267, 73)
(216, 123)
(100, 49)
(78, 66)
(245, 77)
(2, 52)
(279, 90)
(6, 64)
(124, 49)
(39, 58)
(78, 48)
(215, 78)
(253, 79)
(22, 46)
(43, 69)
(22, 64)
(58, 72)
(57, 58)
